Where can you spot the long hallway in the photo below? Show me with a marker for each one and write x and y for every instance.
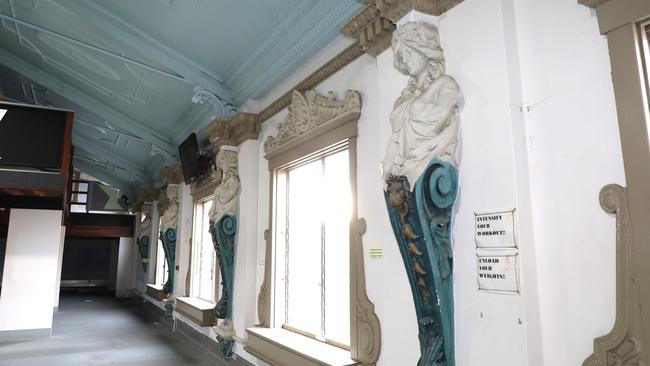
(100, 330)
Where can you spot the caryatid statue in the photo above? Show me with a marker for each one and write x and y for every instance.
(143, 238)
(168, 224)
(421, 183)
(223, 224)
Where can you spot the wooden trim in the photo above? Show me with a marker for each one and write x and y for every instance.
(99, 231)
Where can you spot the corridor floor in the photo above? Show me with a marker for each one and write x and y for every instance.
(99, 330)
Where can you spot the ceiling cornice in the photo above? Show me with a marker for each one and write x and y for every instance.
(294, 11)
(269, 69)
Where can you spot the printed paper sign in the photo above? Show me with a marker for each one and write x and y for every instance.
(495, 230)
(498, 273)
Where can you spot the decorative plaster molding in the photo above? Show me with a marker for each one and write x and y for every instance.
(309, 111)
(172, 174)
(242, 127)
(622, 346)
(221, 107)
(341, 60)
(158, 151)
(394, 10)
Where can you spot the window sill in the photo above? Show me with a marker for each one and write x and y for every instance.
(199, 311)
(156, 292)
(281, 347)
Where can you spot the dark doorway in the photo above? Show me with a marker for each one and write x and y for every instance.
(89, 264)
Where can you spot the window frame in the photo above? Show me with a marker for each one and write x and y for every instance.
(283, 172)
(323, 122)
(194, 244)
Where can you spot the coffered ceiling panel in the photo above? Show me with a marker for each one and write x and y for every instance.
(129, 69)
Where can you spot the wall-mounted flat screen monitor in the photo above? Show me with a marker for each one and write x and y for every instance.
(32, 137)
(190, 155)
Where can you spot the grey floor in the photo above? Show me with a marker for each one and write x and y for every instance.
(99, 330)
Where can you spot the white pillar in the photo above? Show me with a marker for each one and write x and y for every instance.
(153, 247)
(30, 274)
(244, 281)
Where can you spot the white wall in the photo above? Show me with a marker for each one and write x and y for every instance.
(59, 267)
(125, 267)
(574, 151)
(31, 264)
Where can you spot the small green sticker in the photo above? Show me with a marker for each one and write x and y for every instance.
(376, 253)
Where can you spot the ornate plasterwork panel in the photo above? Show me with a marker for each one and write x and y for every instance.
(308, 112)
(622, 346)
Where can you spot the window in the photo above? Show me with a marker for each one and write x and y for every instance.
(204, 258)
(314, 281)
(161, 264)
(312, 234)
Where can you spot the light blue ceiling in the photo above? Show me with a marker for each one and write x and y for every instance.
(130, 69)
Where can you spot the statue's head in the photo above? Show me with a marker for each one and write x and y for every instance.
(146, 210)
(416, 46)
(227, 160)
(172, 192)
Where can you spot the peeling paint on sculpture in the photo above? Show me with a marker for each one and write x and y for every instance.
(168, 224)
(143, 239)
(420, 172)
(223, 221)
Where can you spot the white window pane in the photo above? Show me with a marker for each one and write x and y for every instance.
(304, 248)
(83, 187)
(78, 208)
(81, 197)
(337, 243)
(161, 264)
(203, 254)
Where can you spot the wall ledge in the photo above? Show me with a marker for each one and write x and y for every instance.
(279, 346)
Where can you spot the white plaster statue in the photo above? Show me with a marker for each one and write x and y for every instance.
(226, 195)
(169, 219)
(145, 225)
(425, 117)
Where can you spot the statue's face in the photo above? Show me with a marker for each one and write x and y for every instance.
(410, 61)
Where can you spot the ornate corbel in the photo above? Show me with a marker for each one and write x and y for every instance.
(172, 174)
(149, 195)
(622, 346)
(373, 31)
(242, 127)
(394, 10)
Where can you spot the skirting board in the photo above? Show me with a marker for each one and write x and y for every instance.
(24, 334)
